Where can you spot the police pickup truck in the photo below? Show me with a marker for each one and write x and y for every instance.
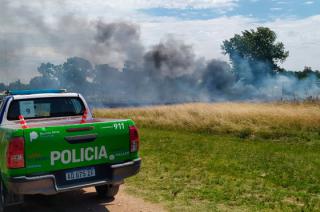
(50, 143)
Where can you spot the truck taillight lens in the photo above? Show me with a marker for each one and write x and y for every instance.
(134, 139)
(15, 153)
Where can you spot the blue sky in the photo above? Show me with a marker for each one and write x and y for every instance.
(262, 10)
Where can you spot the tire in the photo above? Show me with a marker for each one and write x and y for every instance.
(3, 196)
(107, 191)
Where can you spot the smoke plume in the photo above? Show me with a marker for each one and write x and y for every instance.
(109, 63)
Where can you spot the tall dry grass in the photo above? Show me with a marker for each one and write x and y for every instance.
(269, 120)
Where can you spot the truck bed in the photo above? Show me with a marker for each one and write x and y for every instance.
(59, 144)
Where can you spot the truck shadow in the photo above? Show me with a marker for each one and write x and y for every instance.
(78, 200)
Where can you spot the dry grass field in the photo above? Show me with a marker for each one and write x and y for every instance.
(267, 120)
(228, 156)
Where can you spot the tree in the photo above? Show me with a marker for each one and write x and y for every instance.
(17, 85)
(48, 77)
(75, 73)
(307, 72)
(255, 50)
(72, 75)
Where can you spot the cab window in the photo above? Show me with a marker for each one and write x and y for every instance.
(45, 108)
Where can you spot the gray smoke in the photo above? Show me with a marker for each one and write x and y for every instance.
(219, 80)
(30, 35)
(108, 62)
(120, 39)
(171, 58)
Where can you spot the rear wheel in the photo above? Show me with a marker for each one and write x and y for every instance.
(107, 191)
(3, 199)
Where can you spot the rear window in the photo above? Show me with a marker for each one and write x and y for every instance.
(45, 108)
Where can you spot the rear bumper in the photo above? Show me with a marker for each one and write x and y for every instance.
(52, 183)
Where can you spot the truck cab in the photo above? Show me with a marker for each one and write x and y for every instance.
(51, 143)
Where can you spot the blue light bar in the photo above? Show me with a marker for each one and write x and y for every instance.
(28, 92)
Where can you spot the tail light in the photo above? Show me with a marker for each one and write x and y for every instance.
(134, 139)
(15, 153)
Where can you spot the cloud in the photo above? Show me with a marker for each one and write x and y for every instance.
(301, 39)
(282, 2)
(309, 2)
(206, 36)
(177, 4)
(276, 9)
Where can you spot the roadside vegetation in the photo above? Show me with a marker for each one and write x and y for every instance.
(228, 156)
(244, 120)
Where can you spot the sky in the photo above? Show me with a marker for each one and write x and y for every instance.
(263, 10)
(204, 24)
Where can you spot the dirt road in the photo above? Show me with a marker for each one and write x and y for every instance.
(86, 200)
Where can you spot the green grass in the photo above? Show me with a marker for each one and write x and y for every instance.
(228, 156)
(187, 171)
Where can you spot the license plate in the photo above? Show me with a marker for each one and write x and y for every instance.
(80, 174)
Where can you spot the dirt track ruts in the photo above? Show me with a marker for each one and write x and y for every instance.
(87, 200)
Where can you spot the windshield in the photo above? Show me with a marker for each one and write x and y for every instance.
(45, 108)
